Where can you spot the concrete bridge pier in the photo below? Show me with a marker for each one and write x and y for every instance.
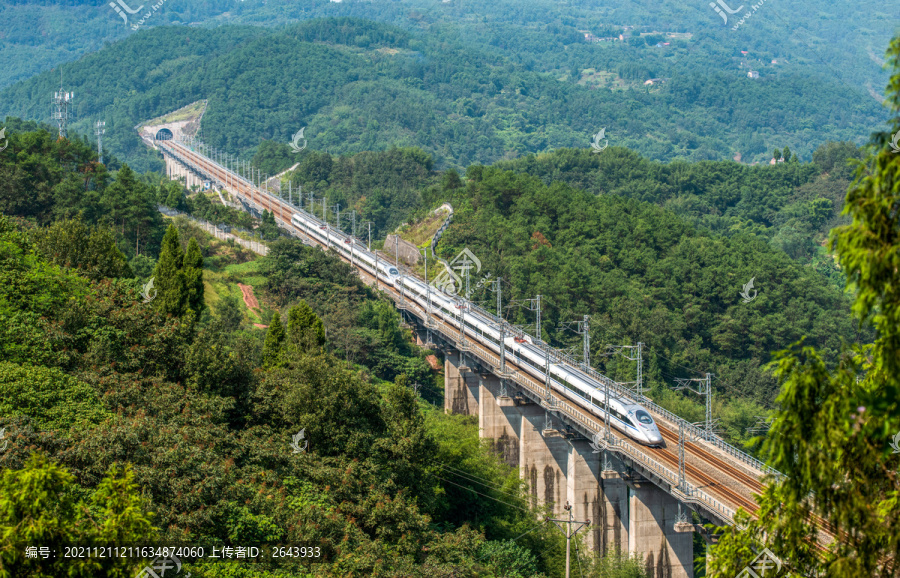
(583, 490)
(667, 550)
(499, 420)
(613, 519)
(543, 459)
(461, 389)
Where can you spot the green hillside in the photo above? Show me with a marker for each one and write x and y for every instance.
(360, 86)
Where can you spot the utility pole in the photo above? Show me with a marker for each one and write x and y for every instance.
(397, 249)
(569, 533)
(583, 328)
(502, 348)
(534, 305)
(353, 222)
(369, 244)
(428, 290)
(376, 269)
(547, 376)
(636, 355)
(704, 388)
(462, 323)
(499, 302)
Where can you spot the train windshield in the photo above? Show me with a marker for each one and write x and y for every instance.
(643, 417)
(393, 271)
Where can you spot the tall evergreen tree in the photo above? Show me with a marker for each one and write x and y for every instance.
(273, 348)
(193, 277)
(305, 329)
(168, 276)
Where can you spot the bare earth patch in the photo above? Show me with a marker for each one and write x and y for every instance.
(249, 299)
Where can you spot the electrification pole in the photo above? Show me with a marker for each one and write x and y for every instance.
(704, 388)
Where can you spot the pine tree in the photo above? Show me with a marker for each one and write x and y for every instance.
(273, 348)
(305, 329)
(168, 276)
(193, 277)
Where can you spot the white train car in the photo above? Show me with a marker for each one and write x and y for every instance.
(629, 418)
(347, 246)
(626, 416)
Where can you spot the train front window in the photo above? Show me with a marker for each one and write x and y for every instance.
(393, 271)
(643, 417)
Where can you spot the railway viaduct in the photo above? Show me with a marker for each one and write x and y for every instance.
(639, 500)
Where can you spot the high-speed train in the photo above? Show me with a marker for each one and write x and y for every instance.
(346, 245)
(626, 416)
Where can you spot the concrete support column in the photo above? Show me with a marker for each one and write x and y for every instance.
(498, 419)
(613, 510)
(543, 460)
(583, 489)
(459, 396)
(652, 534)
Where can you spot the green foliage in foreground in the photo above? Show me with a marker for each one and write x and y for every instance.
(53, 399)
(121, 411)
(834, 432)
(40, 506)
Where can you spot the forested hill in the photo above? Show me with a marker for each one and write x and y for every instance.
(643, 274)
(357, 86)
(792, 205)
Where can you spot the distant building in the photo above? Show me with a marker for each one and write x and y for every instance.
(590, 37)
(753, 74)
(775, 61)
(653, 81)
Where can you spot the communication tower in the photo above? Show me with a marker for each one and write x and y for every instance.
(60, 104)
(100, 130)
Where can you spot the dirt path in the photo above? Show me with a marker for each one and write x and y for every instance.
(249, 299)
